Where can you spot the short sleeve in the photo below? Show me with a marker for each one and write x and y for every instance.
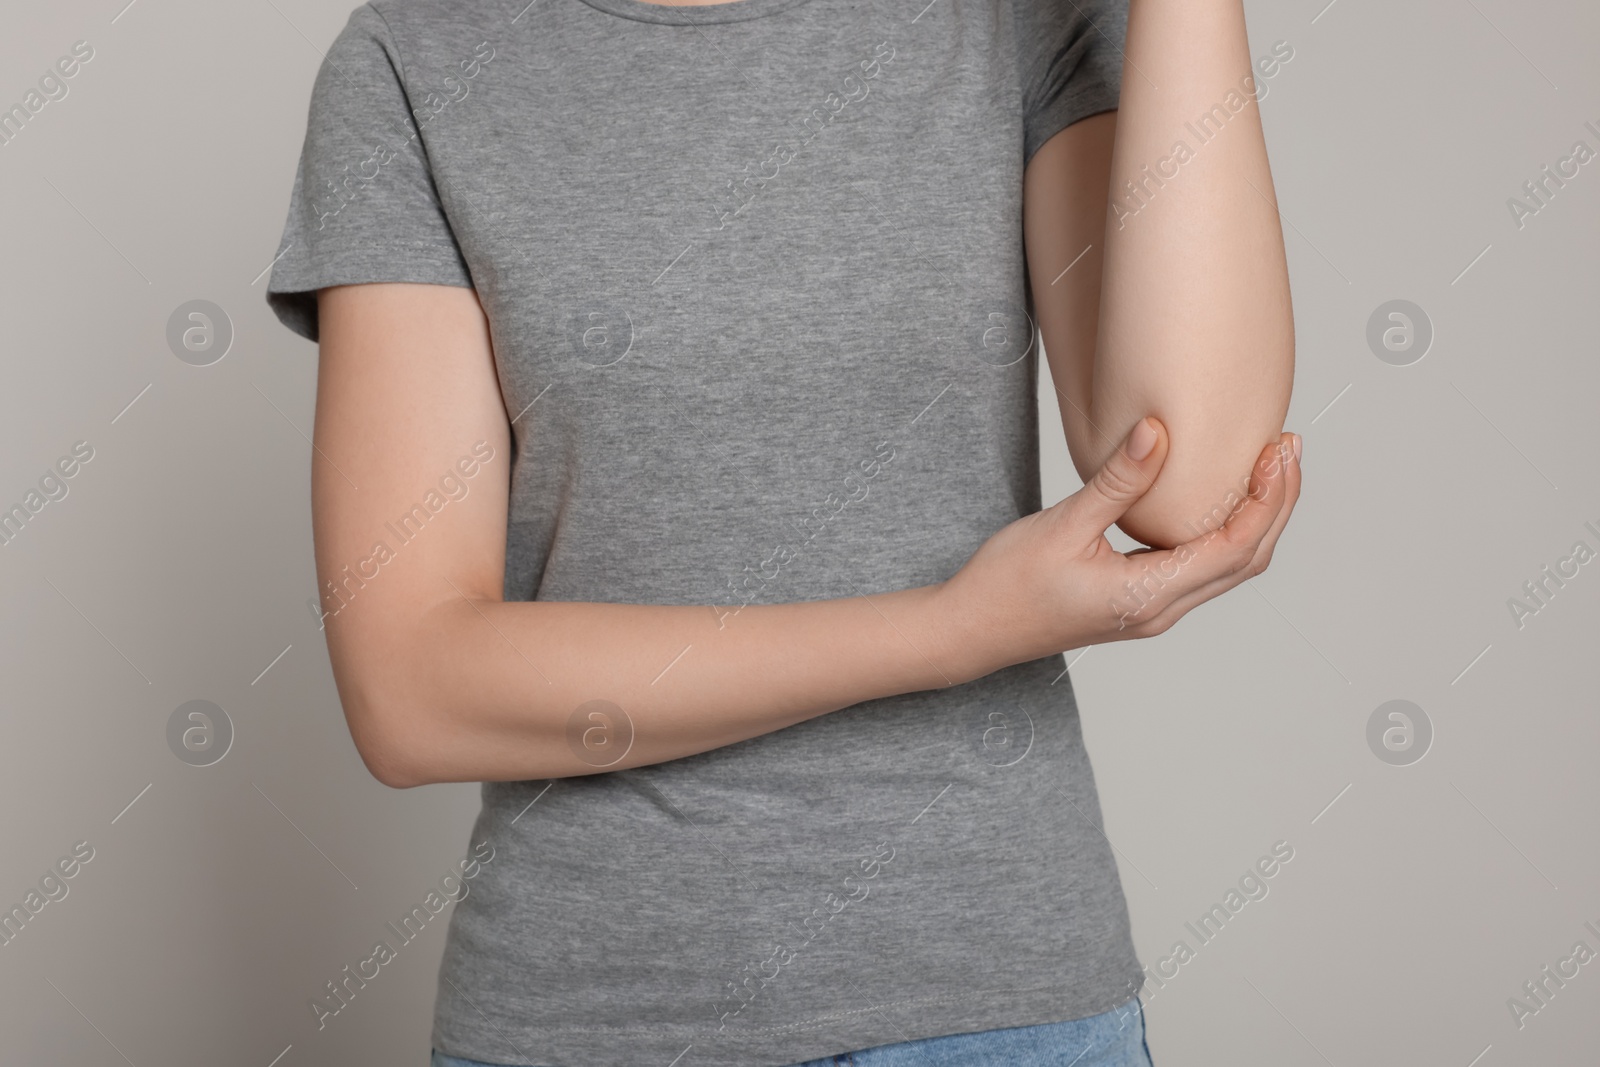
(365, 206)
(1069, 63)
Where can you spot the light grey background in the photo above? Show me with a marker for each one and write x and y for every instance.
(179, 567)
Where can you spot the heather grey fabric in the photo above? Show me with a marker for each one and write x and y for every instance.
(756, 284)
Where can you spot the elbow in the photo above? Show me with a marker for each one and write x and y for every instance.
(391, 761)
(388, 740)
(1167, 520)
(1198, 491)
(1218, 448)
(382, 693)
(393, 769)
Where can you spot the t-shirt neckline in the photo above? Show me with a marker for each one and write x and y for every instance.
(692, 14)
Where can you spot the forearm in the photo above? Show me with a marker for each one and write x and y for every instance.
(1195, 323)
(488, 690)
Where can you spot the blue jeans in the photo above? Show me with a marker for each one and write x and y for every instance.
(1111, 1039)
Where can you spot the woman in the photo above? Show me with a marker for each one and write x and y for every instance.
(676, 478)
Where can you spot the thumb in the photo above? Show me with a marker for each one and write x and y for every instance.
(1125, 476)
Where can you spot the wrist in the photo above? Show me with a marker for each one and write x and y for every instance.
(964, 644)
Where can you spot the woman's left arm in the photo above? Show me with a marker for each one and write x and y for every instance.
(1157, 267)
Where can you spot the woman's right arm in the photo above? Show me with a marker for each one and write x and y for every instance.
(443, 680)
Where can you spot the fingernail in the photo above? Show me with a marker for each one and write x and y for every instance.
(1297, 448)
(1142, 440)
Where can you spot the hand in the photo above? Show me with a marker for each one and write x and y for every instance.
(1050, 581)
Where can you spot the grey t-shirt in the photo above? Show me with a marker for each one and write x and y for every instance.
(755, 280)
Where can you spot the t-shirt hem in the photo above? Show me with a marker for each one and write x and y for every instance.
(849, 1030)
(292, 295)
(1058, 117)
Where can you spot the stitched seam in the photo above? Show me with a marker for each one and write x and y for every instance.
(817, 1021)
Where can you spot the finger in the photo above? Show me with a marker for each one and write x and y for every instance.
(1125, 476)
(1159, 579)
(1168, 613)
(1252, 518)
(1291, 494)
